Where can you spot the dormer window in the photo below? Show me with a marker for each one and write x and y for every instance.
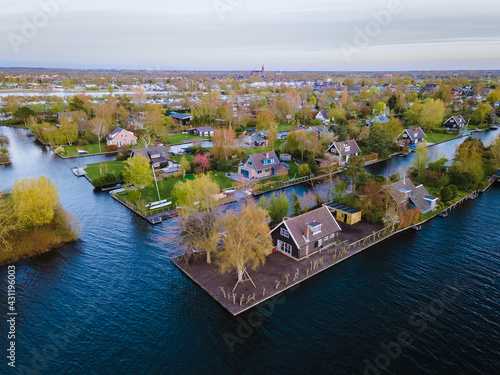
(347, 148)
(315, 227)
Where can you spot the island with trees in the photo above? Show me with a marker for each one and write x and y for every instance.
(32, 220)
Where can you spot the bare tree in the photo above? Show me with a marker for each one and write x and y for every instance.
(99, 127)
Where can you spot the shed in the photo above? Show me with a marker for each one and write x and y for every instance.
(343, 213)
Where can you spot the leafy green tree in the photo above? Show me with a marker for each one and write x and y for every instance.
(138, 172)
(277, 206)
(480, 114)
(379, 141)
(23, 113)
(342, 132)
(421, 159)
(355, 169)
(446, 194)
(8, 222)
(296, 204)
(34, 200)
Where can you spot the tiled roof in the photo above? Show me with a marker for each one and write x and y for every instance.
(416, 194)
(351, 146)
(415, 133)
(298, 225)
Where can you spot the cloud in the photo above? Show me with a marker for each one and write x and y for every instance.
(285, 35)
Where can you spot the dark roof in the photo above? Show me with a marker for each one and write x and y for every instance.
(351, 146)
(415, 133)
(180, 116)
(257, 138)
(297, 226)
(148, 151)
(205, 129)
(341, 207)
(497, 173)
(458, 119)
(416, 194)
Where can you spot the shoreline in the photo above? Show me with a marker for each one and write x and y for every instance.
(338, 253)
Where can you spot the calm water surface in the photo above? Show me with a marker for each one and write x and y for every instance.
(112, 303)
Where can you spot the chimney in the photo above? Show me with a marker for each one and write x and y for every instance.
(307, 232)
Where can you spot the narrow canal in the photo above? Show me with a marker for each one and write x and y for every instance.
(112, 303)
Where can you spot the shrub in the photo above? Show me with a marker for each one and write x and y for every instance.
(122, 157)
(446, 194)
(453, 190)
(304, 170)
(104, 180)
(395, 177)
(109, 148)
(380, 178)
(462, 180)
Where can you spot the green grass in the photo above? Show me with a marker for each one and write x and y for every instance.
(285, 127)
(97, 169)
(438, 137)
(92, 149)
(180, 138)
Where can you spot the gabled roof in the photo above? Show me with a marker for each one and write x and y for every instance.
(205, 129)
(297, 226)
(117, 131)
(458, 120)
(383, 119)
(344, 148)
(258, 159)
(417, 194)
(257, 138)
(147, 152)
(415, 133)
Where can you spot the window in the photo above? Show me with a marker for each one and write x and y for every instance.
(284, 233)
(286, 248)
(267, 170)
(326, 238)
(320, 242)
(259, 171)
(249, 162)
(268, 161)
(332, 235)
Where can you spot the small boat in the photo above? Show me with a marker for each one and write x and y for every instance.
(494, 127)
(466, 134)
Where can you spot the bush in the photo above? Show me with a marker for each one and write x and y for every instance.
(105, 180)
(462, 180)
(109, 148)
(122, 157)
(304, 170)
(395, 177)
(453, 190)
(380, 178)
(446, 194)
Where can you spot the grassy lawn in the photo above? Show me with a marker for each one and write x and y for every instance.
(179, 138)
(438, 137)
(178, 158)
(113, 166)
(92, 148)
(285, 127)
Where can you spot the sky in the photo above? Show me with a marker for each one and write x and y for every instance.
(284, 35)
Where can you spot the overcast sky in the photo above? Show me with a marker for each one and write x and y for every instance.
(244, 34)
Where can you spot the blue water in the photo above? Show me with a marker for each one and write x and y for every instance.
(112, 303)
